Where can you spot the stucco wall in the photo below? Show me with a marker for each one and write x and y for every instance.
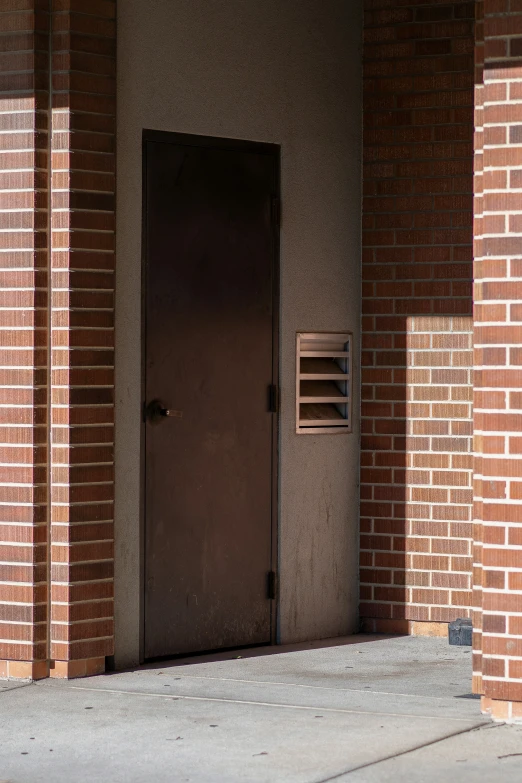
(287, 72)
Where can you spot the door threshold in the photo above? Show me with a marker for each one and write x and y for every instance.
(255, 651)
(224, 653)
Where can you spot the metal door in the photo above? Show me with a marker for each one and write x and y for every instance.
(210, 248)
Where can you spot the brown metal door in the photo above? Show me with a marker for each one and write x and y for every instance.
(210, 285)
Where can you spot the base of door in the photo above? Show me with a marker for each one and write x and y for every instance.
(70, 670)
(403, 627)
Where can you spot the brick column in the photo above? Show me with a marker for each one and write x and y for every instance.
(478, 355)
(24, 102)
(498, 376)
(416, 461)
(83, 166)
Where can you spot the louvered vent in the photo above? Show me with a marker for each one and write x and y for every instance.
(324, 382)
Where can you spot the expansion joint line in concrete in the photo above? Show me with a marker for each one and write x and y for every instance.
(391, 756)
(255, 703)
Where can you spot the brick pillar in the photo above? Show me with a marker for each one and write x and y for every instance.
(23, 334)
(416, 461)
(479, 354)
(498, 381)
(83, 167)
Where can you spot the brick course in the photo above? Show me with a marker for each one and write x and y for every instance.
(416, 461)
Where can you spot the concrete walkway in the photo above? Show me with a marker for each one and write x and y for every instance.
(359, 709)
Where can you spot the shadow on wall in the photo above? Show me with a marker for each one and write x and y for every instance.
(416, 461)
(416, 470)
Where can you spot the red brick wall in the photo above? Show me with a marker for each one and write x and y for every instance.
(416, 458)
(83, 186)
(498, 361)
(23, 320)
(478, 353)
(75, 39)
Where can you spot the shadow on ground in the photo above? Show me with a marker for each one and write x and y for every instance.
(340, 710)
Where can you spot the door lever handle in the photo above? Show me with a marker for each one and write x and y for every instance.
(155, 411)
(171, 413)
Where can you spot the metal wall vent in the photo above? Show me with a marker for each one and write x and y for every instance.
(324, 382)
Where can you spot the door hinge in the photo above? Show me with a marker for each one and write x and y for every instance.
(276, 211)
(272, 584)
(273, 398)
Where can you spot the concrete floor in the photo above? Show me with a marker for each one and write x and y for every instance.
(360, 709)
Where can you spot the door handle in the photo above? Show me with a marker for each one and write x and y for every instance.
(155, 411)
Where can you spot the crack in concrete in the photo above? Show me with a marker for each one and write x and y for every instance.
(15, 687)
(367, 764)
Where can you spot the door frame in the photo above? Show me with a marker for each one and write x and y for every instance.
(215, 142)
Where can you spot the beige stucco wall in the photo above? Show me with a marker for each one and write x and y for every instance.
(288, 72)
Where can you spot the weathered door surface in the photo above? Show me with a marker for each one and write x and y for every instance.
(210, 286)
